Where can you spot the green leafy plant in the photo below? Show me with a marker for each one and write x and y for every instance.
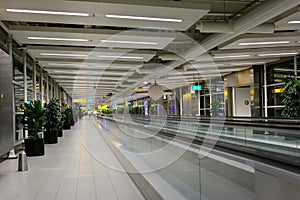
(291, 98)
(67, 117)
(215, 108)
(34, 119)
(53, 116)
(72, 120)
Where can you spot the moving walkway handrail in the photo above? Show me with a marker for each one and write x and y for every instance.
(270, 125)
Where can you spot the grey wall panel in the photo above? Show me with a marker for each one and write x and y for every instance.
(6, 115)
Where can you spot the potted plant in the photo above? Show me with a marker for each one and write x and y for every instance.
(34, 121)
(291, 98)
(60, 128)
(67, 119)
(215, 108)
(53, 116)
(72, 120)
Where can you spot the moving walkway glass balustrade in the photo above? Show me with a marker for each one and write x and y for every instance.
(284, 144)
(177, 170)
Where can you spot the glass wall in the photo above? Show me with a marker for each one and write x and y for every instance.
(276, 75)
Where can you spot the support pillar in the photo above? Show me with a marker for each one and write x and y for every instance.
(295, 67)
(42, 86)
(47, 89)
(34, 80)
(25, 74)
(265, 92)
(12, 154)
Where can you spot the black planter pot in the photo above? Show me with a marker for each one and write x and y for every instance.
(66, 127)
(34, 147)
(60, 132)
(50, 137)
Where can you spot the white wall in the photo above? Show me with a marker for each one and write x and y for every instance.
(241, 109)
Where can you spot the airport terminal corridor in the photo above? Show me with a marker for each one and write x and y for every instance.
(69, 171)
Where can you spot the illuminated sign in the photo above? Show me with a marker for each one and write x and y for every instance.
(196, 87)
(129, 103)
(79, 100)
(279, 90)
(90, 100)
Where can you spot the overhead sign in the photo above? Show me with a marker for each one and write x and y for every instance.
(196, 87)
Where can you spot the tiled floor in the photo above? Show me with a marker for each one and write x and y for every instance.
(72, 169)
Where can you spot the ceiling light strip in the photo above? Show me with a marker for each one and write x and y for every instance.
(145, 18)
(63, 54)
(294, 22)
(278, 54)
(123, 57)
(47, 12)
(263, 43)
(57, 39)
(232, 56)
(128, 42)
(67, 64)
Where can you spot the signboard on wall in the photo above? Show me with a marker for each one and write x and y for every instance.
(196, 87)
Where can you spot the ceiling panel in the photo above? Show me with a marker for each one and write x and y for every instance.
(189, 13)
(248, 41)
(91, 37)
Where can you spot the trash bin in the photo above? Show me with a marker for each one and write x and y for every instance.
(23, 166)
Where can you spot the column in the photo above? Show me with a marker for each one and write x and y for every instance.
(34, 80)
(25, 75)
(10, 51)
(52, 88)
(210, 98)
(181, 101)
(295, 67)
(47, 89)
(42, 85)
(265, 91)
(198, 97)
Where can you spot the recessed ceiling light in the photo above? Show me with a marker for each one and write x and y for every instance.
(16, 10)
(128, 42)
(145, 18)
(232, 56)
(63, 54)
(278, 54)
(58, 39)
(123, 57)
(263, 43)
(294, 22)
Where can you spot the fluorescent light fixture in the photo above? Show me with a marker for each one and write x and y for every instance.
(63, 54)
(294, 22)
(145, 18)
(123, 57)
(232, 56)
(263, 43)
(67, 64)
(145, 82)
(246, 63)
(128, 42)
(47, 12)
(278, 54)
(58, 39)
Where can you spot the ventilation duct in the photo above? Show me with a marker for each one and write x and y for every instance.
(225, 27)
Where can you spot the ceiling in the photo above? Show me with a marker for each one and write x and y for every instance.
(93, 48)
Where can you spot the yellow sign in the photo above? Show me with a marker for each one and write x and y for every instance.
(102, 107)
(79, 100)
(279, 90)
